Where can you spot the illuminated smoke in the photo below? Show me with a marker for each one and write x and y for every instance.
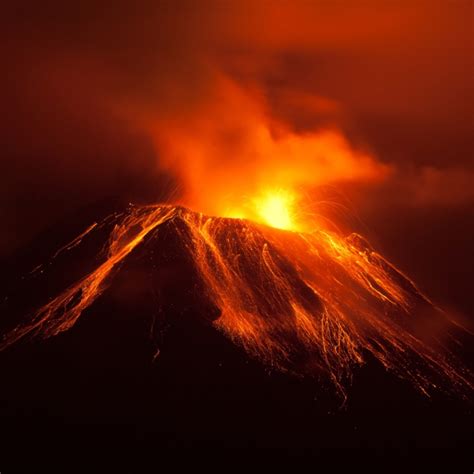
(231, 151)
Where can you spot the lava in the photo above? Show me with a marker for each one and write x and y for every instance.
(312, 303)
(274, 207)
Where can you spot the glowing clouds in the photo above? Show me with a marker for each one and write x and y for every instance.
(228, 151)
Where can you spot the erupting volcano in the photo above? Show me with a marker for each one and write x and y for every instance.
(236, 230)
(312, 302)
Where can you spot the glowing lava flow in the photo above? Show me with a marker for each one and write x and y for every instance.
(307, 302)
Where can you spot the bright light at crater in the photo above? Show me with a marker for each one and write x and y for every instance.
(276, 208)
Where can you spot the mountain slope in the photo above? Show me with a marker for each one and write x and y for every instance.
(310, 303)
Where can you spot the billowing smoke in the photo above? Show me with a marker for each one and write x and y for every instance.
(232, 149)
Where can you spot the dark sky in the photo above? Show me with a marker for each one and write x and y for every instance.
(88, 90)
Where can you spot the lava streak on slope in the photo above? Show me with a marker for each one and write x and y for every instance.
(312, 303)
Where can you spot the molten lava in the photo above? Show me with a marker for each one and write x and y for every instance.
(274, 207)
(312, 303)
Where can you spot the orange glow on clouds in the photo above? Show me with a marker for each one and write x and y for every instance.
(232, 157)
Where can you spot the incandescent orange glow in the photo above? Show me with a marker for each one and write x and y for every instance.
(277, 209)
(273, 207)
(234, 159)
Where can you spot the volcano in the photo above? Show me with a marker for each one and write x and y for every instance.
(314, 304)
